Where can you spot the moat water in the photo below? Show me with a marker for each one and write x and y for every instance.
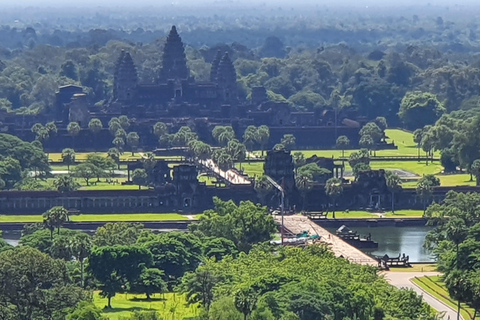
(391, 241)
(395, 240)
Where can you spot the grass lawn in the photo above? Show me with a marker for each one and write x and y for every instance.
(169, 306)
(99, 217)
(434, 286)
(416, 268)
(355, 214)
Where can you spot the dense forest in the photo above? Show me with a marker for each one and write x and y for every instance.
(315, 58)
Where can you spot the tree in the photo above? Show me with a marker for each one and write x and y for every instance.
(288, 141)
(223, 134)
(117, 265)
(342, 143)
(73, 129)
(202, 150)
(133, 140)
(81, 246)
(121, 133)
(475, 169)
(95, 125)
(114, 154)
(372, 130)
(394, 184)
(160, 129)
(381, 122)
(361, 156)
(65, 183)
(119, 143)
(245, 300)
(315, 172)
(298, 159)
(424, 192)
(114, 125)
(236, 150)
(139, 177)
(304, 183)
(10, 171)
(86, 311)
(149, 282)
(119, 233)
(333, 189)
(263, 136)
(104, 165)
(124, 122)
(418, 109)
(198, 286)
(55, 218)
(68, 157)
(245, 224)
(35, 286)
(249, 137)
(366, 142)
(87, 171)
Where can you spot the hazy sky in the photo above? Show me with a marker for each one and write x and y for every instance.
(138, 3)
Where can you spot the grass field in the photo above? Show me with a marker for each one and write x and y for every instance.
(99, 217)
(168, 306)
(435, 286)
(416, 268)
(406, 147)
(355, 214)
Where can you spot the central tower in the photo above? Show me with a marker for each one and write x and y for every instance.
(174, 62)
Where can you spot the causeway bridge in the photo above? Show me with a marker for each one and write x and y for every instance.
(298, 224)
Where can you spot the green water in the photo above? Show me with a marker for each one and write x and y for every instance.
(395, 240)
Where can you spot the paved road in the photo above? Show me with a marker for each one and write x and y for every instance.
(403, 280)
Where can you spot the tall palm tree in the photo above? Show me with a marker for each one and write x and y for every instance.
(304, 183)
(81, 245)
(73, 129)
(333, 189)
(55, 218)
(394, 184)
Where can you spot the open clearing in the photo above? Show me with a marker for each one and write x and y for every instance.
(168, 305)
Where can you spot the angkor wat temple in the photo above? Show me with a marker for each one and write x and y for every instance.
(177, 99)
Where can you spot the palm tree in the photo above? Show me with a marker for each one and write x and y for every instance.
(159, 129)
(68, 157)
(304, 183)
(249, 137)
(73, 129)
(223, 134)
(119, 143)
(394, 184)
(95, 125)
(65, 183)
(288, 141)
(333, 189)
(262, 136)
(114, 154)
(81, 245)
(424, 192)
(55, 218)
(133, 140)
(342, 143)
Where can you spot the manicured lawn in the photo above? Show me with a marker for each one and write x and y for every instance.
(99, 217)
(435, 286)
(169, 305)
(416, 268)
(356, 214)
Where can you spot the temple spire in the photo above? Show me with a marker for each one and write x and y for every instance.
(125, 77)
(227, 78)
(174, 62)
(215, 63)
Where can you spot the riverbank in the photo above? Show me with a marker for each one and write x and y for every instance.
(372, 222)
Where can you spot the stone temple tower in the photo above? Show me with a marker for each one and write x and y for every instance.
(125, 79)
(227, 78)
(215, 63)
(174, 62)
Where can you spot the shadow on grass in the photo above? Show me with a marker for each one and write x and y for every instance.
(130, 309)
(146, 300)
